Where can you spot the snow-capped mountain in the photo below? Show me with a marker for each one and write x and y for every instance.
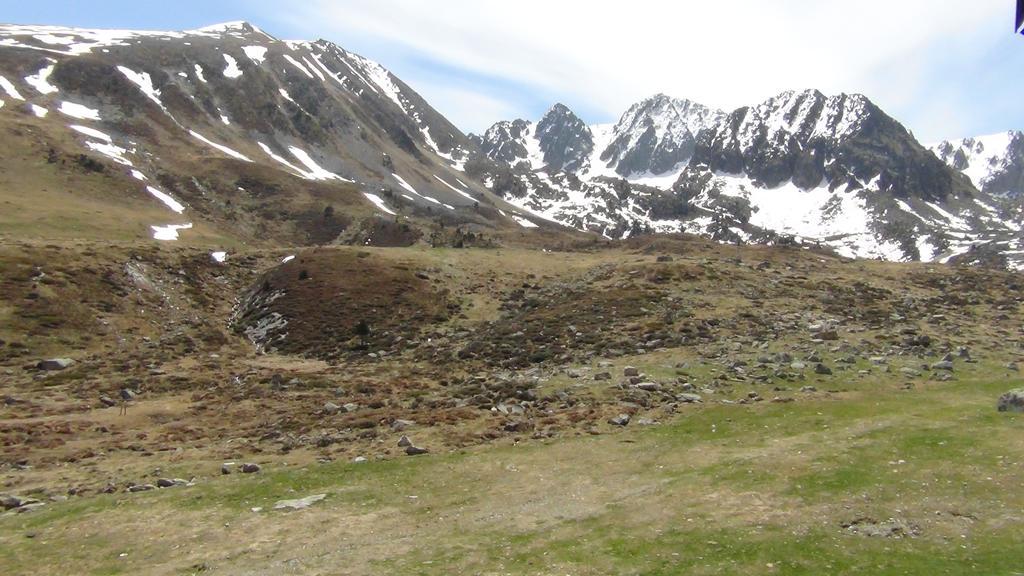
(230, 128)
(656, 136)
(834, 170)
(994, 163)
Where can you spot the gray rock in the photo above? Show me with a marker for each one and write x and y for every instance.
(54, 364)
(404, 442)
(10, 502)
(620, 420)
(946, 365)
(351, 407)
(911, 372)
(331, 408)
(171, 482)
(1012, 401)
(300, 503)
(250, 468)
(808, 389)
(399, 425)
(415, 450)
(630, 371)
(359, 460)
(649, 386)
(226, 468)
(602, 376)
(141, 488)
(689, 398)
(107, 401)
(820, 368)
(798, 366)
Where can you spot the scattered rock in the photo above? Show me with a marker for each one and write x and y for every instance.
(689, 398)
(55, 364)
(141, 487)
(620, 420)
(820, 368)
(890, 528)
(171, 482)
(404, 442)
(399, 425)
(299, 503)
(107, 401)
(250, 468)
(946, 365)
(415, 450)
(629, 371)
(1012, 401)
(602, 376)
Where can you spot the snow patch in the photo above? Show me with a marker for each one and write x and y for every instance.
(524, 222)
(169, 232)
(219, 257)
(40, 81)
(10, 89)
(257, 54)
(379, 203)
(39, 111)
(166, 199)
(298, 65)
(221, 147)
(144, 82)
(232, 71)
(78, 111)
(457, 191)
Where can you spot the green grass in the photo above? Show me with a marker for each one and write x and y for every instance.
(718, 489)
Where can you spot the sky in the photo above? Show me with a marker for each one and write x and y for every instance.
(944, 68)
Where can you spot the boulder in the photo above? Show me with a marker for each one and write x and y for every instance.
(54, 364)
(1012, 401)
(250, 468)
(620, 420)
(820, 368)
(629, 371)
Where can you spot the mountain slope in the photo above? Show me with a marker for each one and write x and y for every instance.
(236, 131)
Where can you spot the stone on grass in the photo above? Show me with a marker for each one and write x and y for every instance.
(620, 420)
(250, 468)
(300, 503)
(1012, 401)
(54, 364)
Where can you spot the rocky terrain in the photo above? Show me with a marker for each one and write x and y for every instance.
(264, 311)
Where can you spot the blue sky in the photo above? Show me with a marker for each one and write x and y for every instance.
(945, 68)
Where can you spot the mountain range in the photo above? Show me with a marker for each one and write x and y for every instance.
(229, 135)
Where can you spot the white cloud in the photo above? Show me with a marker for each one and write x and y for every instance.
(603, 56)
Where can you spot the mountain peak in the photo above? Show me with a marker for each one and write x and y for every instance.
(235, 26)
